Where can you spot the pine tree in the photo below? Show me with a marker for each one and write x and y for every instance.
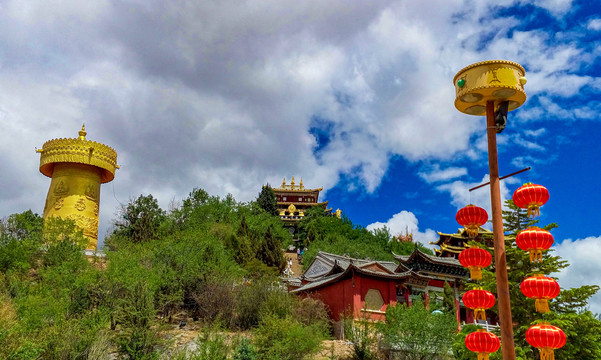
(268, 201)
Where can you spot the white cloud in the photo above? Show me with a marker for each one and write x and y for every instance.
(556, 7)
(222, 95)
(535, 133)
(594, 24)
(461, 196)
(403, 222)
(585, 269)
(435, 174)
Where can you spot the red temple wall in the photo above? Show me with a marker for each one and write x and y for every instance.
(349, 296)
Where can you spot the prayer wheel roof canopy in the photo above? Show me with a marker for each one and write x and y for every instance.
(80, 151)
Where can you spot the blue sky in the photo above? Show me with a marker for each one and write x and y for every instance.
(356, 97)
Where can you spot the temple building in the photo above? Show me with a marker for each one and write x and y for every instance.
(364, 288)
(77, 167)
(450, 245)
(293, 200)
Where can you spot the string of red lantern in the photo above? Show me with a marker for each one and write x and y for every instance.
(481, 342)
(543, 336)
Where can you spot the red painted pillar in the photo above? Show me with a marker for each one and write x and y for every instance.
(458, 313)
(357, 306)
(427, 300)
(392, 293)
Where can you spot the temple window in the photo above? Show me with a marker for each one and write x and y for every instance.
(373, 299)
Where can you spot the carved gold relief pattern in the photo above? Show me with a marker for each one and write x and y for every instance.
(96, 209)
(88, 224)
(58, 204)
(80, 205)
(61, 188)
(90, 191)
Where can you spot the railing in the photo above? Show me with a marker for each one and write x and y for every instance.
(484, 325)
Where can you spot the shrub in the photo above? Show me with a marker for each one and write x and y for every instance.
(245, 351)
(287, 339)
(311, 311)
(215, 299)
(363, 337)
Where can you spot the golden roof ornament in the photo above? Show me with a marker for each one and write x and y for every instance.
(82, 132)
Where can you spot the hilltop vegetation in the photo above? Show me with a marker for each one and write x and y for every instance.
(215, 262)
(212, 259)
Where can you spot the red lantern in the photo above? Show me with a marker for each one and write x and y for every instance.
(546, 337)
(475, 259)
(531, 196)
(479, 300)
(541, 288)
(534, 240)
(483, 343)
(471, 217)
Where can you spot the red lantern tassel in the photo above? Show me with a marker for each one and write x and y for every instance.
(475, 272)
(533, 210)
(541, 305)
(480, 314)
(547, 354)
(483, 356)
(536, 255)
(472, 230)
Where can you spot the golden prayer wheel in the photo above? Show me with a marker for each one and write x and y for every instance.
(77, 168)
(492, 80)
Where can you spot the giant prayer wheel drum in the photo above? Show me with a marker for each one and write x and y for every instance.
(492, 80)
(77, 167)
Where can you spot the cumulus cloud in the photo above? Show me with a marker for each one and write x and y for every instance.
(224, 95)
(406, 222)
(594, 24)
(585, 269)
(461, 196)
(436, 174)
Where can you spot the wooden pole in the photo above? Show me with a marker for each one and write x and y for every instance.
(506, 323)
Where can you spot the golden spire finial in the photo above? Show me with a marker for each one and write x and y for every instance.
(82, 132)
(292, 182)
(284, 182)
(301, 184)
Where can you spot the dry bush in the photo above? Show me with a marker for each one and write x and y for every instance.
(216, 301)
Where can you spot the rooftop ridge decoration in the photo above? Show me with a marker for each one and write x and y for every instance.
(294, 187)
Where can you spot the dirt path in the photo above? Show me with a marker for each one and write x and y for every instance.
(297, 268)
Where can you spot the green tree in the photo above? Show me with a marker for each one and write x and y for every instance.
(268, 201)
(416, 333)
(271, 251)
(140, 220)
